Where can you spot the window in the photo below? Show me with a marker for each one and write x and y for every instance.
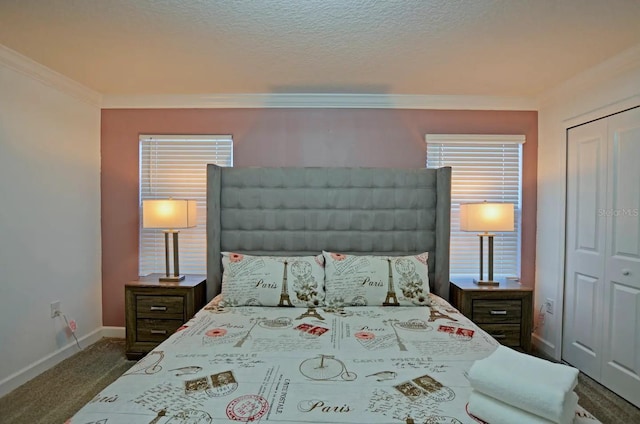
(484, 167)
(176, 166)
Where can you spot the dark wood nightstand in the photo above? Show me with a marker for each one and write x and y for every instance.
(155, 310)
(504, 311)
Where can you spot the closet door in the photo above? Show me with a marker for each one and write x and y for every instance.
(621, 353)
(585, 247)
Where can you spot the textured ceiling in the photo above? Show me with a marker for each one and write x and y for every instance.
(479, 47)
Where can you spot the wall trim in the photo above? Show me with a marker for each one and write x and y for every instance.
(26, 66)
(329, 101)
(545, 346)
(609, 69)
(29, 372)
(601, 112)
(48, 76)
(114, 332)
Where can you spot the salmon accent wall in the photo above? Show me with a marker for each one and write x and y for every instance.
(287, 137)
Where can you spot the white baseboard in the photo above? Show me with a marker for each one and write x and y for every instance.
(544, 346)
(115, 332)
(17, 379)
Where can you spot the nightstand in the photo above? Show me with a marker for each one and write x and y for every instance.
(504, 311)
(154, 310)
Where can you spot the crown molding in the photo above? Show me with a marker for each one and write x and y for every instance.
(47, 76)
(336, 101)
(26, 66)
(627, 60)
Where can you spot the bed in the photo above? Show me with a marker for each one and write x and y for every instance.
(314, 362)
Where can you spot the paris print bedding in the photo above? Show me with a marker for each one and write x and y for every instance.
(304, 365)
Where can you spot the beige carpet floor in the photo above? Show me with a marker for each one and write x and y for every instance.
(604, 404)
(57, 394)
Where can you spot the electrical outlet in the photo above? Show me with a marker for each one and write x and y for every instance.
(548, 305)
(55, 309)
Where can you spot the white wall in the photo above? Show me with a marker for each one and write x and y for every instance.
(605, 89)
(49, 216)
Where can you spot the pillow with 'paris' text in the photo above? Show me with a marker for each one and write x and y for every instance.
(368, 280)
(272, 280)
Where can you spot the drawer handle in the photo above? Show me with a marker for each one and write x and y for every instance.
(159, 332)
(498, 336)
(158, 308)
(498, 312)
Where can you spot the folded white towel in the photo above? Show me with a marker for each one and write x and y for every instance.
(495, 412)
(526, 382)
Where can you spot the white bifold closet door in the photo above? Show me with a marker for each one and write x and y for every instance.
(601, 333)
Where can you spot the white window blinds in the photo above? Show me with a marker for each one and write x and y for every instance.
(484, 167)
(176, 166)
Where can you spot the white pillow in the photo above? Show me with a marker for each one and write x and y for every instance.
(353, 280)
(259, 280)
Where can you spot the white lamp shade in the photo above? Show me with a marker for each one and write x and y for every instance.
(486, 216)
(169, 213)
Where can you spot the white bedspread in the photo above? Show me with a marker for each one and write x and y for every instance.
(293, 365)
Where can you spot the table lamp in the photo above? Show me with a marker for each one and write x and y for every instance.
(486, 217)
(169, 214)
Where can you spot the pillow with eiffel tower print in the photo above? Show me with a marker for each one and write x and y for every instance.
(272, 280)
(367, 280)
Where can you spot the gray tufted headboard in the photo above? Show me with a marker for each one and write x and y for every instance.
(302, 211)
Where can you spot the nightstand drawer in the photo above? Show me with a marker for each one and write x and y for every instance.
(164, 307)
(506, 334)
(497, 311)
(156, 309)
(156, 330)
(504, 311)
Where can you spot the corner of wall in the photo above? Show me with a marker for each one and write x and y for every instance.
(50, 155)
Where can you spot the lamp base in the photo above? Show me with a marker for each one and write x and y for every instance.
(171, 278)
(485, 282)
